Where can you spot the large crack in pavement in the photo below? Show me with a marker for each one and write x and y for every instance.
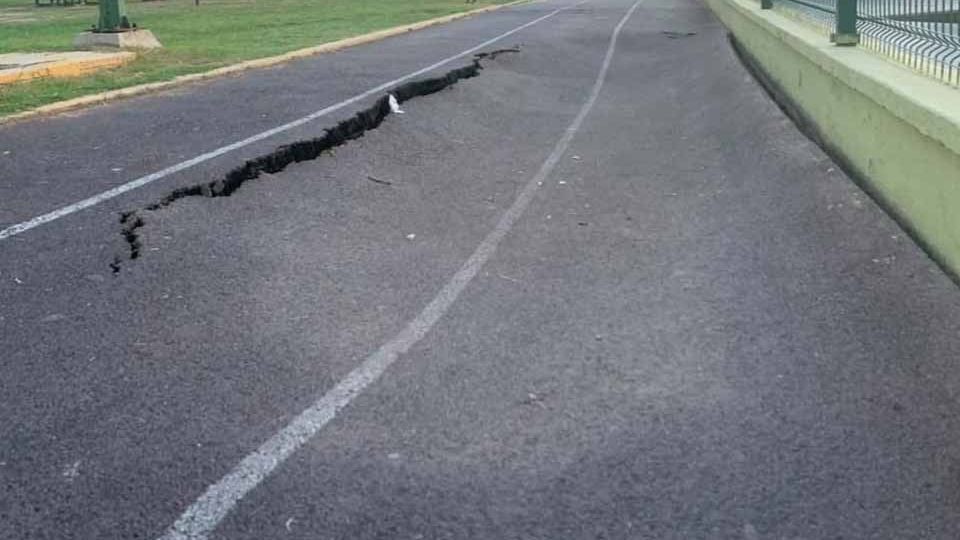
(305, 150)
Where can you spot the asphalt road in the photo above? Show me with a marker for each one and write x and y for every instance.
(697, 327)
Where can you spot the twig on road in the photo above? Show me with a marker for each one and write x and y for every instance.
(379, 181)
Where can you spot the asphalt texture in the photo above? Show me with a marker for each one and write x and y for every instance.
(700, 328)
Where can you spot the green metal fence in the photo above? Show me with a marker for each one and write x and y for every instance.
(923, 34)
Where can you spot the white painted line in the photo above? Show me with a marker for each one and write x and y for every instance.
(18, 228)
(203, 516)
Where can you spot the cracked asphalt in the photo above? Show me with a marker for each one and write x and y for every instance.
(699, 328)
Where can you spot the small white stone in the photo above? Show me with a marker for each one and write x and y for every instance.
(72, 471)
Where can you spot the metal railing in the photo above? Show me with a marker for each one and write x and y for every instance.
(923, 34)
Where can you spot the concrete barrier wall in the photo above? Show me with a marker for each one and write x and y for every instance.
(896, 131)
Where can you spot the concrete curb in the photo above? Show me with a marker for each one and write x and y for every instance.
(74, 66)
(141, 89)
(895, 131)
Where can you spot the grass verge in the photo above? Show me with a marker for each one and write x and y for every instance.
(197, 39)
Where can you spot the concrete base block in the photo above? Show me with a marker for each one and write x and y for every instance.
(134, 39)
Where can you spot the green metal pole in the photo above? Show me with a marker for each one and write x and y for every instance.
(113, 16)
(846, 33)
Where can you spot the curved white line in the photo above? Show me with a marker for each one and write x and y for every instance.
(25, 226)
(203, 516)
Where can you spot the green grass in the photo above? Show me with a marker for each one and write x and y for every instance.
(195, 39)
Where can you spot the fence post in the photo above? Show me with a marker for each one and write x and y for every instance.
(766, 4)
(846, 33)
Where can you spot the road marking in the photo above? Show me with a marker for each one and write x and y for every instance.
(25, 226)
(203, 516)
